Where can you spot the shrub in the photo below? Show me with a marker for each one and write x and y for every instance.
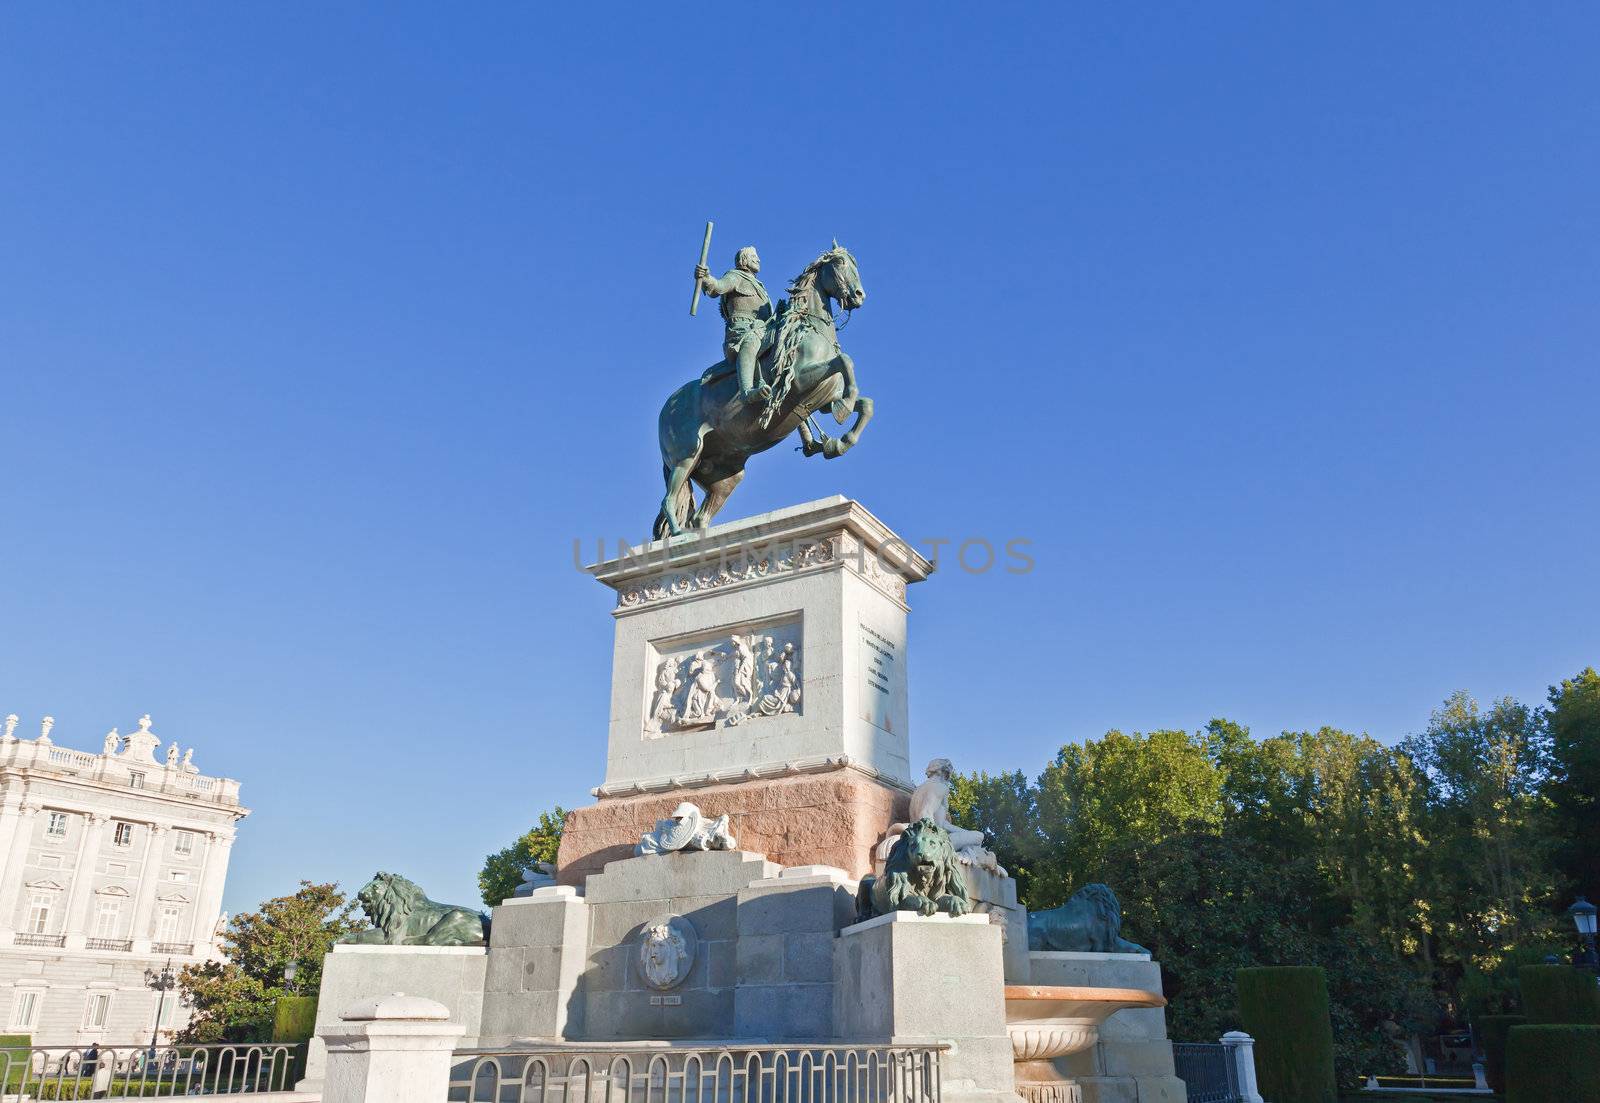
(294, 1019)
(1556, 994)
(1553, 1064)
(1286, 1009)
(1492, 1031)
(14, 1048)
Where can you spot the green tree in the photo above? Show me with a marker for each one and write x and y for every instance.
(1117, 789)
(1351, 803)
(1488, 881)
(503, 870)
(1574, 787)
(234, 999)
(1005, 808)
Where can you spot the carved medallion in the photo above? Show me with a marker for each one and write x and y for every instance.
(666, 951)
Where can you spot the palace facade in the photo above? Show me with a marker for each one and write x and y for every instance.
(113, 869)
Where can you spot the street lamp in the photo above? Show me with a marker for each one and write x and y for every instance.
(163, 982)
(290, 971)
(1583, 917)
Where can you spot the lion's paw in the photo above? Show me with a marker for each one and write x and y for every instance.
(954, 905)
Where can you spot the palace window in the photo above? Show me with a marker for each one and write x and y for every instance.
(123, 835)
(167, 929)
(136, 779)
(97, 1010)
(25, 1008)
(183, 844)
(39, 906)
(180, 875)
(57, 827)
(107, 918)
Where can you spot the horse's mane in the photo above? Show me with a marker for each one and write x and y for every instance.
(806, 277)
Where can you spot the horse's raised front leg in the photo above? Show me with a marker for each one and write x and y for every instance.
(835, 448)
(846, 401)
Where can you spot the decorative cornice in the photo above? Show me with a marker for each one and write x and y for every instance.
(827, 534)
(714, 576)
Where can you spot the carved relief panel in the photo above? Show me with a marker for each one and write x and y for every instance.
(734, 676)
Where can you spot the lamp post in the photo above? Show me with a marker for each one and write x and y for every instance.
(163, 982)
(290, 971)
(1583, 917)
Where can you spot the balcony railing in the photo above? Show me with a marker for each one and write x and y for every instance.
(179, 948)
(121, 945)
(27, 938)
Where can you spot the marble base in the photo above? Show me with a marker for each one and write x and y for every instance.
(450, 975)
(904, 978)
(823, 819)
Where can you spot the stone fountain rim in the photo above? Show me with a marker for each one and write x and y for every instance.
(1133, 997)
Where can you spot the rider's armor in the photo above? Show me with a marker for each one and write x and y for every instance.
(746, 310)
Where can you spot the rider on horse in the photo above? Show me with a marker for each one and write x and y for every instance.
(747, 313)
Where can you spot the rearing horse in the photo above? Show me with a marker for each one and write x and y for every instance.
(707, 434)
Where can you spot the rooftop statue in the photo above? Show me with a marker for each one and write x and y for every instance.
(779, 367)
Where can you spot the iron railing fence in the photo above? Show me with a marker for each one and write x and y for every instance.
(719, 1074)
(143, 1072)
(1207, 1071)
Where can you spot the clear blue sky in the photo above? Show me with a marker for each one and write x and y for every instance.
(325, 330)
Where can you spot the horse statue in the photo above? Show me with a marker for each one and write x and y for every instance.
(707, 434)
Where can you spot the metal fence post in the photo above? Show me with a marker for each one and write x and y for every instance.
(1242, 1052)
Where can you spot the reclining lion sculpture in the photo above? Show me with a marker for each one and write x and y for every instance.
(922, 874)
(1089, 922)
(402, 915)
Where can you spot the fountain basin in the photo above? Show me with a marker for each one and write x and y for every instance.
(1046, 1021)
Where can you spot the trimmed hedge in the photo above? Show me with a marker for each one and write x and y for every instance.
(294, 1019)
(1556, 994)
(1553, 1064)
(1285, 1008)
(1492, 1031)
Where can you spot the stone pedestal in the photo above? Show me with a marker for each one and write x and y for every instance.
(391, 1049)
(996, 897)
(701, 889)
(538, 946)
(905, 978)
(829, 818)
(759, 669)
(450, 975)
(786, 928)
(1132, 1061)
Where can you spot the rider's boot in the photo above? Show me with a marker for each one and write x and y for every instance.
(751, 392)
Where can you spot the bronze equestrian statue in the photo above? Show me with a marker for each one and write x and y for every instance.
(712, 425)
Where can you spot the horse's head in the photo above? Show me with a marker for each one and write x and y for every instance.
(834, 274)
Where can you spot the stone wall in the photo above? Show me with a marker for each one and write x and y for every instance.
(829, 819)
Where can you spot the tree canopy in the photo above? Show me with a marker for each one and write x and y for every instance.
(1418, 875)
(503, 870)
(234, 999)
